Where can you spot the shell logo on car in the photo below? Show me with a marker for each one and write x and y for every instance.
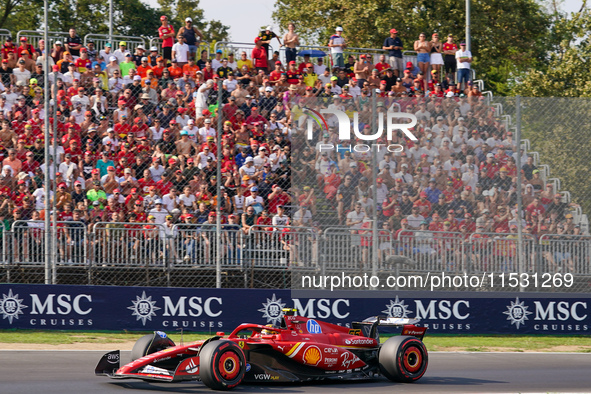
(312, 355)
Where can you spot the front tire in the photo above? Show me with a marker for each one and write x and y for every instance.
(222, 364)
(403, 359)
(150, 343)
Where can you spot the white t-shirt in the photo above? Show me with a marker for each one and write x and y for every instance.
(248, 201)
(22, 75)
(181, 52)
(205, 132)
(187, 201)
(353, 216)
(39, 195)
(280, 220)
(337, 40)
(156, 172)
(169, 202)
(463, 65)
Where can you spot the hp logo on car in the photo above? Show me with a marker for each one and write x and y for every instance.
(313, 327)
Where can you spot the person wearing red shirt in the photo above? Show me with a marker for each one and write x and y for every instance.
(534, 209)
(275, 75)
(259, 56)
(277, 197)
(436, 224)
(449, 56)
(256, 117)
(423, 204)
(265, 220)
(469, 223)
(175, 71)
(30, 164)
(18, 124)
(122, 128)
(167, 35)
(452, 221)
(163, 186)
(382, 66)
(125, 153)
(147, 183)
(293, 75)
(191, 68)
(8, 47)
(83, 63)
(74, 150)
(489, 167)
(72, 134)
(25, 47)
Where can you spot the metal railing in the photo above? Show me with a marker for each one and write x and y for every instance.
(157, 42)
(237, 47)
(4, 34)
(140, 253)
(34, 36)
(101, 39)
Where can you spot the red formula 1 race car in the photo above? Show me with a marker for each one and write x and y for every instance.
(301, 349)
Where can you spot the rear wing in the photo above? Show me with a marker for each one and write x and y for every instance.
(369, 326)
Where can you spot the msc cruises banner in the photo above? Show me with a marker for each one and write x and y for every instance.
(209, 310)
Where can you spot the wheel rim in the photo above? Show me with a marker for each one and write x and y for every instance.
(412, 359)
(229, 365)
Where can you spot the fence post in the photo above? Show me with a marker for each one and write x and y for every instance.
(520, 251)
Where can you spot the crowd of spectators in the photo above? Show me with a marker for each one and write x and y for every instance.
(137, 139)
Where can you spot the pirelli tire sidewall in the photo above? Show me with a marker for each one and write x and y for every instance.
(403, 359)
(222, 365)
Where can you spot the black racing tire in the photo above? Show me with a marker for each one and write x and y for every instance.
(148, 344)
(403, 359)
(222, 365)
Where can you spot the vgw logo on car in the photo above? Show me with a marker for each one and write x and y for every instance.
(344, 124)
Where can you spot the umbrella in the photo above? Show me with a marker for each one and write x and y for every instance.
(312, 53)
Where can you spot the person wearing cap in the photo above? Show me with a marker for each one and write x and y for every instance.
(394, 46)
(126, 64)
(167, 35)
(464, 59)
(337, 44)
(362, 69)
(265, 36)
(259, 56)
(180, 51)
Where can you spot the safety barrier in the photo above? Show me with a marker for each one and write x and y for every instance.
(434, 251)
(101, 39)
(127, 244)
(34, 36)
(157, 42)
(236, 48)
(281, 247)
(4, 34)
(109, 247)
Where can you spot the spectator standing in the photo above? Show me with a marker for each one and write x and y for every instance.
(393, 45)
(449, 57)
(259, 55)
(73, 43)
(166, 33)
(463, 58)
(290, 40)
(423, 48)
(337, 44)
(180, 51)
(266, 36)
(192, 36)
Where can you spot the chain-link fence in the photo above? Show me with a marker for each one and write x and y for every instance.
(209, 175)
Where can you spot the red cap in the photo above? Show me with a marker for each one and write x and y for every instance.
(95, 171)
(116, 191)
(379, 180)
(190, 160)
(292, 62)
(82, 49)
(171, 161)
(277, 62)
(257, 39)
(393, 31)
(110, 168)
(163, 18)
(212, 214)
(62, 184)
(134, 190)
(205, 112)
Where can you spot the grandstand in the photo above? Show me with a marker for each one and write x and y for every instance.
(135, 170)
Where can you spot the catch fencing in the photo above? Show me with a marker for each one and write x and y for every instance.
(113, 253)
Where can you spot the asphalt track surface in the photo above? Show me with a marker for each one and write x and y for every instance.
(50, 372)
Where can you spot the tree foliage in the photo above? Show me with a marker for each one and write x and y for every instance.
(130, 17)
(505, 34)
(566, 73)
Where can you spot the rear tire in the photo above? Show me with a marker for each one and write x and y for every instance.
(222, 365)
(148, 344)
(403, 359)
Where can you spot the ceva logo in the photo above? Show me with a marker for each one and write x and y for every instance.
(345, 124)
